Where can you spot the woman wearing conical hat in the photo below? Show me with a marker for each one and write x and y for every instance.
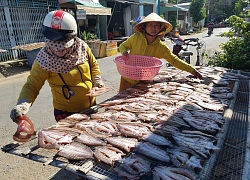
(145, 41)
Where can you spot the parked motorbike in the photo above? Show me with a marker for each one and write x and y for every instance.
(180, 48)
(210, 31)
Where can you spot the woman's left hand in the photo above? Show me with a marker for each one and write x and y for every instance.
(98, 81)
(197, 74)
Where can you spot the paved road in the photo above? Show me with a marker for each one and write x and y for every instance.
(42, 115)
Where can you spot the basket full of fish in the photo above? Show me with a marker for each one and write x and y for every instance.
(161, 130)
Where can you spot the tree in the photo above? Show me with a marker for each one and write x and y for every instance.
(197, 10)
(239, 5)
(236, 52)
(219, 10)
(179, 1)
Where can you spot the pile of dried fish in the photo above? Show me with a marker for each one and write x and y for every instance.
(161, 129)
(29, 47)
(3, 50)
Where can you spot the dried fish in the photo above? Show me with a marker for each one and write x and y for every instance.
(166, 130)
(185, 158)
(89, 140)
(222, 95)
(75, 151)
(170, 173)
(123, 116)
(52, 139)
(156, 139)
(108, 154)
(221, 82)
(123, 143)
(176, 121)
(215, 116)
(133, 167)
(137, 107)
(132, 130)
(152, 151)
(112, 102)
(214, 107)
(106, 128)
(83, 125)
(147, 117)
(202, 124)
(100, 115)
(78, 117)
(220, 90)
(199, 143)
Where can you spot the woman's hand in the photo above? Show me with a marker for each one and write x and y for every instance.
(197, 74)
(98, 81)
(125, 53)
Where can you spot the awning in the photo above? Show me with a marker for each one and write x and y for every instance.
(174, 8)
(91, 7)
(90, 10)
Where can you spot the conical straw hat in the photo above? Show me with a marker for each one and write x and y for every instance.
(156, 18)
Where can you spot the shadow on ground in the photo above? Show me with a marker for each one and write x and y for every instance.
(62, 174)
(13, 68)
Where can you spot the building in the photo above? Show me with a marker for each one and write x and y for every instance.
(20, 23)
(21, 20)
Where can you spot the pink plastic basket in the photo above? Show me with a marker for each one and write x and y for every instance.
(138, 67)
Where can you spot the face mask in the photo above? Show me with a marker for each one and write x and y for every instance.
(59, 48)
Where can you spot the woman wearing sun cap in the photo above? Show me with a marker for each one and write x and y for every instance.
(145, 41)
(67, 63)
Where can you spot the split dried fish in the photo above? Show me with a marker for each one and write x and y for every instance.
(215, 116)
(200, 144)
(89, 140)
(156, 139)
(108, 154)
(202, 124)
(152, 151)
(77, 117)
(52, 139)
(185, 158)
(126, 144)
(123, 116)
(132, 130)
(170, 173)
(75, 151)
(133, 167)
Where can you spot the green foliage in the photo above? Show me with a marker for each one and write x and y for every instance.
(219, 10)
(239, 5)
(197, 10)
(173, 20)
(216, 59)
(179, 1)
(88, 36)
(236, 52)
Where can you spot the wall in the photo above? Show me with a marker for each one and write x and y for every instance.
(20, 23)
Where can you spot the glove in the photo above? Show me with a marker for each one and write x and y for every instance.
(197, 74)
(21, 108)
(125, 53)
(98, 81)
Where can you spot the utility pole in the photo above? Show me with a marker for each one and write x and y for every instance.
(177, 12)
(208, 9)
